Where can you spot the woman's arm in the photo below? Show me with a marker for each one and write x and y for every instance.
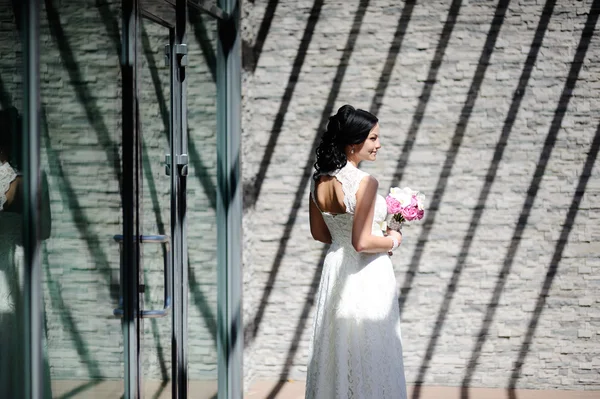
(318, 228)
(13, 196)
(14, 203)
(362, 238)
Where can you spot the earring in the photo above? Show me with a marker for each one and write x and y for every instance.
(352, 150)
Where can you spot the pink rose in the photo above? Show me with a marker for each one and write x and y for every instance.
(393, 205)
(420, 214)
(414, 202)
(410, 213)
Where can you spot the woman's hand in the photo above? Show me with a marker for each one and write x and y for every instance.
(394, 234)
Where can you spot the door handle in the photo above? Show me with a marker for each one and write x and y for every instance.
(167, 275)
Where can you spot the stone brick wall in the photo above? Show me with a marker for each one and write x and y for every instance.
(489, 108)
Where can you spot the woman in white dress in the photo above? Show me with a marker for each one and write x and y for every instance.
(356, 348)
(12, 259)
(11, 263)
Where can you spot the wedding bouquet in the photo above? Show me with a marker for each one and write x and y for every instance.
(404, 205)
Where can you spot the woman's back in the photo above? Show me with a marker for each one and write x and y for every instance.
(335, 195)
(329, 195)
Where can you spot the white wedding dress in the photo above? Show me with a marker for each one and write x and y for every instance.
(356, 347)
(11, 264)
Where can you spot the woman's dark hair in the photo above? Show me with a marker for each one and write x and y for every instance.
(10, 126)
(5, 132)
(349, 126)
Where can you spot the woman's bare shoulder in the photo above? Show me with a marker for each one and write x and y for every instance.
(368, 182)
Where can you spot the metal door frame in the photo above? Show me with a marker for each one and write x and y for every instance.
(229, 201)
(132, 267)
(32, 284)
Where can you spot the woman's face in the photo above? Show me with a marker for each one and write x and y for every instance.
(367, 150)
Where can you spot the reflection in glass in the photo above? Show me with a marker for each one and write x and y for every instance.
(201, 205)
(81, 201)
(11, 203)
(80, 91)
(154, 116)
(11, 259)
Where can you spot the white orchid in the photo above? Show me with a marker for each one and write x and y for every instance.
(403, 196)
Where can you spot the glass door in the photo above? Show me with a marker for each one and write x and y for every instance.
(173, 284)
(84, 191)
(151, 271)
(192, 222)
(155, 114)
(202, 227)
(130, 215)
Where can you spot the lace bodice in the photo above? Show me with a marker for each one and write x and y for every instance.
(11, 254)
(340, 225)
(10, 222)
(7, 176)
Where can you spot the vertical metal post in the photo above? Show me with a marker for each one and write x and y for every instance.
(178, 203)
(129, 268)
(31, 195)
(229, 203)
(182, 191)
(175, 239)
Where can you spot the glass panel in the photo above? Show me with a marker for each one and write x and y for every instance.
(81, 160)
(11, 252)
(154, 112)
(209, 7)
(159, 11)
(201, 200)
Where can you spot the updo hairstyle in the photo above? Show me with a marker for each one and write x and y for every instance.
(348, 127)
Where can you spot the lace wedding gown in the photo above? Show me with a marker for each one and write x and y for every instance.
(11, 262)
(356, 347)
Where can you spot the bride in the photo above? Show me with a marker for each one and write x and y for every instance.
(11, 263)
(12, 258)
(356, 348)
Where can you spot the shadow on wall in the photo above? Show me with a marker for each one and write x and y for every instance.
(252, 328)
(532, 191)
(484, 194)
(253, 189)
